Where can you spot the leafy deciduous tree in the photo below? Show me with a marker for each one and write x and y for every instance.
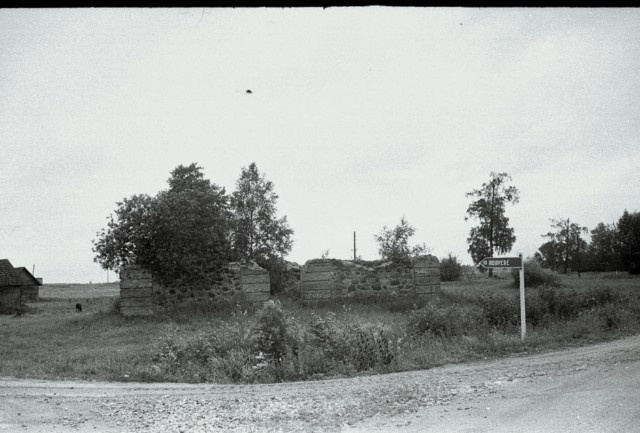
(493, 234)
(258, 234)
(181, 234)
(629, 241)
(604, 248)
(548, 255)
(394, 243)
(128, 237)
(567, 243)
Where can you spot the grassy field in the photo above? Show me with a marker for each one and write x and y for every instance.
(80, 291)
(61, 299)
(471, 320)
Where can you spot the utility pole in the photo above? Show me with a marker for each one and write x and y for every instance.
(354, 246)
(33, 271)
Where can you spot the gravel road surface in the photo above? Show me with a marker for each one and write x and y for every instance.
(587, 389)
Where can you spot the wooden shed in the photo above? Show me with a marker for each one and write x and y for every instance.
(30, 289)
(10, 285)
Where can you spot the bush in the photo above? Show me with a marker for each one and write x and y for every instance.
(236, 365)
(537, 309)
(614, 317)
(226, 356)
(564, 305)
(534, 276)
(372, 347)
(314, 362)
(601, 296)
(328, 335)
(501, 311)
(357, 347)
(450, 268)
(504, 311)
(568, 305)
(446, 321)
(274, 334)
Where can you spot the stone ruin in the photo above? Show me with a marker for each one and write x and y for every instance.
(143, 294)
(324, 279)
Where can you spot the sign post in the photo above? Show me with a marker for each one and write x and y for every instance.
(523, 318)
(511, 262)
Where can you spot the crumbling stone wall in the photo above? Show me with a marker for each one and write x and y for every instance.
(323, 279)
(288, 279)
(141, 293)
(255, 282)
(136, 292)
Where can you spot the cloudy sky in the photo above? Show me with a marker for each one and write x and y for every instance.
(358, 115)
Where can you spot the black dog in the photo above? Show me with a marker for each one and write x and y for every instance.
(78, 308)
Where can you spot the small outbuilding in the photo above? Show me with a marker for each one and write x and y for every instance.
(30, 289)
(10, 285)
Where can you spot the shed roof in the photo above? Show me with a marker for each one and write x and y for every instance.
(27, 278)
(8, 275)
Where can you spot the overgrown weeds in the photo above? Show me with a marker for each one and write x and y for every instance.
(535, 276)
(285, 341)
(446, 320)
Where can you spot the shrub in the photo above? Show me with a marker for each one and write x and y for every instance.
(333, 344)
(568, 305)
(534, 276)
(226, 356)
(583, 326)
(601, 296)
(237, 365)
(450, 268)
(504, 311)
(169, 353)
(326, 334)
(611, 316)
(315, 362)
(501, 311)
(273, 335)
(446, 321)
(372, 347)
(537, 309)
(564, 305)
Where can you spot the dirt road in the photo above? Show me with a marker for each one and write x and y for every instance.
(589, 389)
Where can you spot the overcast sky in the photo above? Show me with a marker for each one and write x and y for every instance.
(358, 115)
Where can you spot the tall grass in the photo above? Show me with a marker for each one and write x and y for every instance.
(287, 341)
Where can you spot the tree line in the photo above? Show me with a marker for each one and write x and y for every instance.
(613, 247)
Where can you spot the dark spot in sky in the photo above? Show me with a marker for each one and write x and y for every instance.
(249, 91)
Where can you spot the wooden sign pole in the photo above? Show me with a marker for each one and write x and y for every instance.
(523, 318)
